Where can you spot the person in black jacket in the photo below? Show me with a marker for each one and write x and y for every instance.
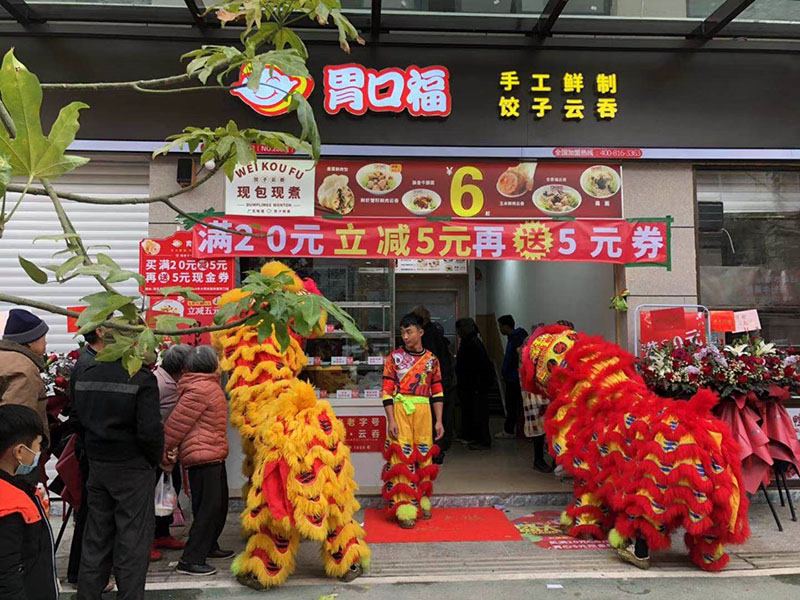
(433, 339)
(119, 419)
(87, 354)
(474, 373)
(27, 559)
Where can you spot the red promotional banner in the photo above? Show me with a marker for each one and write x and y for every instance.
(202, 311)
(72, 324)
(169, 262)
(722, 321)
(672, 325)
(364, 434)
(617, 241)
(478, 189)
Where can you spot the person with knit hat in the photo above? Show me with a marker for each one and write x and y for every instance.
(22, 352)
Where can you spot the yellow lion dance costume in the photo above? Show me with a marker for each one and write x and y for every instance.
(300, 477)
(643, 465)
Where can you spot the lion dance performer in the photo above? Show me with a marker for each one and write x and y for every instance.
(300, 478)
(643, 465)
(412, 382)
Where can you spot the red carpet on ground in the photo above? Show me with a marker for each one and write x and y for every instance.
(447, 525)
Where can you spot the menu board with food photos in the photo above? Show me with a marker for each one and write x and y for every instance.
(469, 189)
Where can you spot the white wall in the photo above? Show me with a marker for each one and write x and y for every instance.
(550, 291)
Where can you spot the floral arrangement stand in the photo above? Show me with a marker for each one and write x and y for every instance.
(753, 381)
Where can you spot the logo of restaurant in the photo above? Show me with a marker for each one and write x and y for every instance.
(272, 97)
(533, 240)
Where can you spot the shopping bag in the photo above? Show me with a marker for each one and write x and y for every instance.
(166, 500)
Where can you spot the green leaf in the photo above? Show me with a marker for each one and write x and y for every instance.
(188, 223)
(286, 37)
(67, 266)
(147, 341)
(282, 335)
(180, 291)
(30, 153)
(33, 271)
(5, 176)
(105, 259)
(119, 275)
(101, 306)
(132, 363)
(61, 236)
(121, 346)
(172, 321)
(305, 114)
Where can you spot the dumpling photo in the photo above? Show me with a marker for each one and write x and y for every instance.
(335, 194)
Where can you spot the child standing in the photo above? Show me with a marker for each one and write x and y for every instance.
(412, 381)
(27, 565)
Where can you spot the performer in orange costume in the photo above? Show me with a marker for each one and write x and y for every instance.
(300, 477)
(643, 465)
(412, 381)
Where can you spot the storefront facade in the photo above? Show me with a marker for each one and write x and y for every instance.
(675, 118)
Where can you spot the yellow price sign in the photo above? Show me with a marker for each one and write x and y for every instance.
(459, 189)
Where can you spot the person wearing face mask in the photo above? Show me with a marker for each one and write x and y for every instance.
(21, 362)
(27, 559)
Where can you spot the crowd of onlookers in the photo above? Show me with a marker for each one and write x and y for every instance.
(126, 434)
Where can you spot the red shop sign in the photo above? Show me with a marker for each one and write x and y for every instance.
(423, 92)
(364, 433)
(477, 189)
(169, 262)
(618, 241)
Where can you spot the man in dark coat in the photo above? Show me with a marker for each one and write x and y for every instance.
(433, 339)
(474, 374)
(27, 559)
(510, 371)
(119, 420)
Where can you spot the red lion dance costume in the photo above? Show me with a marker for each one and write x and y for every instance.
(300, 478)
(643, 465)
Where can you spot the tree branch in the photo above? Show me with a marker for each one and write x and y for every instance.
(57, 310)
(116, 201)
(7, 120)
(121, 85)
(75, 244)
(187, 89)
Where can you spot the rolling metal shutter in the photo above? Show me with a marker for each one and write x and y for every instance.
(120, 227)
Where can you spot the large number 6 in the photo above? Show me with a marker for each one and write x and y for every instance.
(458, 188)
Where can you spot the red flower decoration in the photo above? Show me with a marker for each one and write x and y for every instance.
(74, 355)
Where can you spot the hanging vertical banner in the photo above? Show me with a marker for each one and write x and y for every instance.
(169, 262)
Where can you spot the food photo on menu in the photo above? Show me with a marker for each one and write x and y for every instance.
(440, 189)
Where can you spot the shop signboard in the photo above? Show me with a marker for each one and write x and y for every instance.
(475, 189)
(364, 433)
(169, 262)
(271, 187)
(608, 241)
(421, 91)
(674, 325)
